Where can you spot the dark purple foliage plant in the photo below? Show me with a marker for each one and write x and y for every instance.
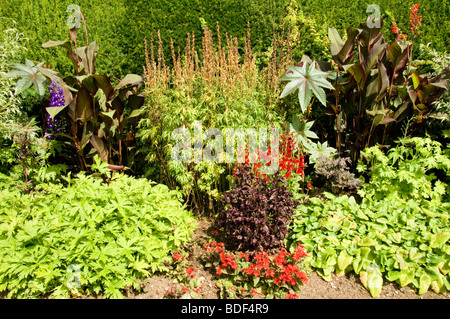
(257, 212)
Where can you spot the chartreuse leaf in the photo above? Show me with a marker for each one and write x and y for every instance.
(424, 283)
(405, 237)
(439, 239)
(343, 261)
(372, 280)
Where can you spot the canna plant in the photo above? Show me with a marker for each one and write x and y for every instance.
(373, 89)
(101, 116)
(376, 89)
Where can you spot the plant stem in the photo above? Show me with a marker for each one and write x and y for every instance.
(87, 43)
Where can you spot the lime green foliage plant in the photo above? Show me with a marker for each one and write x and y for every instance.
(399, 232)
(87, 237)
(406, 170)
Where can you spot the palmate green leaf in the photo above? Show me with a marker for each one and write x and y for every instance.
(308, 80)
(29, 76)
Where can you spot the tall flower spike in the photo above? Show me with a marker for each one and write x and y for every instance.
(56, 100)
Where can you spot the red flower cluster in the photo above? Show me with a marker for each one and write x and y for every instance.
(396, 30)
(214, 247)
(299, 253)
(292, 296)
(190, 271)
(177, 256)
(291, 160)
(280, 259)
(226, 260)
(288, 162)
(415, 20)
(262, 264)
(287, 275)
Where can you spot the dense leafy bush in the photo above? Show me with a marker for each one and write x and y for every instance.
(399, 231)
(11, 112)
(394, 238)
(42, 20)
(22, 150)
(87, 237)
(257, 211)
(407, 170)
(375, 90)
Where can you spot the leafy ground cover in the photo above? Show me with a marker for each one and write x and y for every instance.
(399, 231)
(87, 236)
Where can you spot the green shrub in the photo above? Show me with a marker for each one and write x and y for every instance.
(393, 239)
(15, 122)
(128, 23)
(87, 237)
(407, 170)
(11, 50)
(41, 20)
(399, 231)
(221, 90)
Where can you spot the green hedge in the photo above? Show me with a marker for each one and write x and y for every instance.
(341, 14)
(120, 26)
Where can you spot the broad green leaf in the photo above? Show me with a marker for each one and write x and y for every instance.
(374, 283)
(132, 79)
(50, 44)
(336, 41)
(406, 277)
(416, 80)
(396, 237)
(344, 260)
(393, 275)
(439, 239)
(444, 267)
(366, 241)
(424, 283)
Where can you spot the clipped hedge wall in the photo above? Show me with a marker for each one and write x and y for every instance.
(120, 25)
(341, 14)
